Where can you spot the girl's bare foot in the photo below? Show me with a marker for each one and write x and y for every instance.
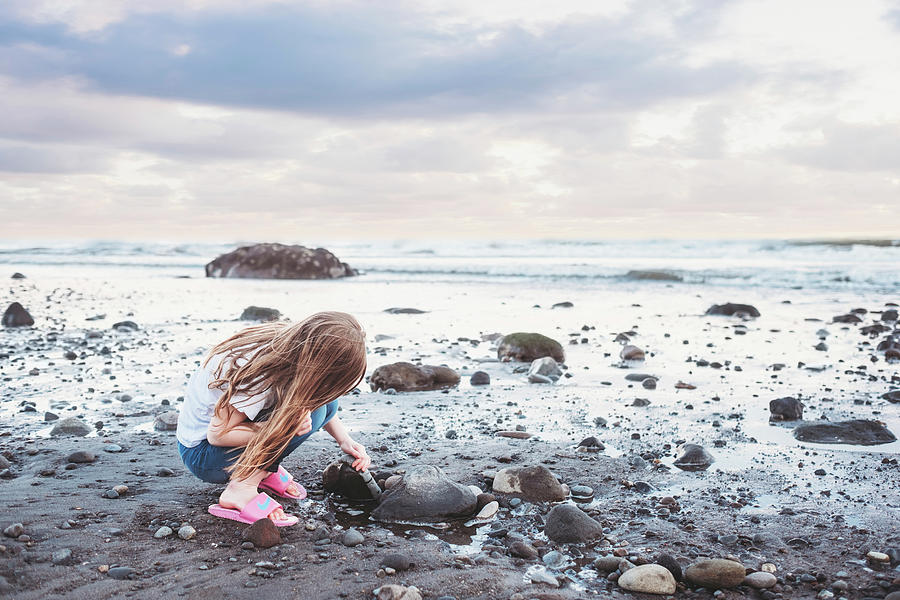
(238, 493)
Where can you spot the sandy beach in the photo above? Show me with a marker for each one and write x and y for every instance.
(812, 510)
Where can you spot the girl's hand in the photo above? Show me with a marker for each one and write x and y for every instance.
(305, 426)
(357, 450)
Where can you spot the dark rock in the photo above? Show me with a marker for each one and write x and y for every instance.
(649, 383)
(639, 377)
(122, 573)
(893, 396)
(167, 421)
(407, 377)
(342, 479)
(451, 434)
(81, 456)
(18, 275)
(526, 347)
(278, 261)
(165, 472)
(396, 561)
(17, 316)
(480, 378)
(591, 442)
(62, 557)
(630, 352)
(859, 431)
(263, 534)
(523, 549)
(405, 311)
(653, 276)
(125, 326)
(729, 310)
(352, 538)
(693, 458)
(535, 484)
(483, 499)
(425, 492)
(889, 315)
(668, 561)
(849, 318)
(260, 313)
(71, 426)
(49, 416)
(785, 409)
(568, 524)
(565, 304)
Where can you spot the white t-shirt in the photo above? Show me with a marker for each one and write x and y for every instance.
(200, 402)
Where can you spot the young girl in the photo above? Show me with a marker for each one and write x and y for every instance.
(259, 395)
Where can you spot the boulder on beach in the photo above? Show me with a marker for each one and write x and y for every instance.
(694, 457)
(279, 261)
(407, 377)
(260, 313)
(71, 426)
(568, 524)
(862, 432)
(544, 370)
(18, 275)
(785, 409)
(167, 421)
(535, 484)
(405, 311)
(730, 309)
(425, 493)
(715, 573)
(480, 378)
(17, 316)
(653, 276)
(342, 479)
(526, 347)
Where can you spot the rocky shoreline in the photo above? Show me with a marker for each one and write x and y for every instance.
(656, 476)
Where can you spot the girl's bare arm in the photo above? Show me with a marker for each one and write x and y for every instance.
(240, 434)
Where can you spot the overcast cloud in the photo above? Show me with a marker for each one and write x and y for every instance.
(281, 120)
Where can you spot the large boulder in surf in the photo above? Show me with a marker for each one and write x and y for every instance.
(425, 493)
(17, 316)
(278, 261)
(730, 309)
(527, 347)
(407, 377)
(861, 432)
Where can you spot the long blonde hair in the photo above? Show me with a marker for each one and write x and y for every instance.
(302, 366)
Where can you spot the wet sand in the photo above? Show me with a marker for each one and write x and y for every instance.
(761, 501)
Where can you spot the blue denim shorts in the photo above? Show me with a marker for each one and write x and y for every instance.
(208, 462)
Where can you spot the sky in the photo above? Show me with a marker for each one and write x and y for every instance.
(285, 120)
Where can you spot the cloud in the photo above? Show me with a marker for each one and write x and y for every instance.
(851, 147)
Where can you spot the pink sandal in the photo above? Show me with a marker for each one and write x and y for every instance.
(278, 482)
(259, 508)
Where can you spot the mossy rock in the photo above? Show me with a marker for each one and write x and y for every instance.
(527, 347)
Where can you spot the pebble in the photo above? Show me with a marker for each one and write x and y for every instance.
(715, 573)
(542, 575)
(62, 557)
(121, 572)
(397, 592)
(523, 550)
(879, 557)
(163, 532)
(760, 580)
(397, 561)
(247, 545)
(120, 489)
(186, 532)
(81, 456)
(14, 530)
(607, 564)
(352, 538)
(165, 472)
(554, 559)
(582, 493)
(111, 494)
(768, 568)
(648, 579)
(112, 448)
(489, 510)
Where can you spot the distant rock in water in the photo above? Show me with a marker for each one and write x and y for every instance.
(425, 492)
(405, 311)
(653, 276)
(849, 318)
(18, 275)
(407, 377)
(480, 378)
(729, 310)
(260, 313)
(565, 304)
(17, 316)
(694, 458)
(527, 347)
(860, 432)
(278, 261)
(785, 409)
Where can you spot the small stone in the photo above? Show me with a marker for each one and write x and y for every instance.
(768, 568)
(14, 530)
(71, 426)
(167, 421)
(397, 561)
(121, 572)
(352, 538)
(668, 561)
(81, 456)
(523, 550)
(165, 472)
(247, 545)
(716, 573)
(648, 579)
(480, 378)
(263, 533)
(120, 489)
(113, 448)
(693, 458)
(568, 524)
(49, 416)
(397, 592)
(630, 352)
(62, 557)
(760, 580)
(878, 557)
(488, 510)
(542, 575)
(163, 532)
(186, 532)
(536, 484)
(110, 494)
